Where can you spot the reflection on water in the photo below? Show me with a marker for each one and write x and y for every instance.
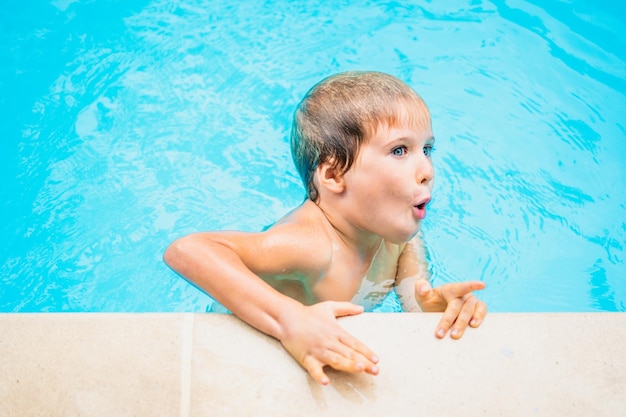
(163, 118)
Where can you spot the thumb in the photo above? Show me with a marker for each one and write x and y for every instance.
(422, 289)
(344, 308)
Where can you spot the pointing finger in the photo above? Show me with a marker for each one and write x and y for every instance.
(459, 289)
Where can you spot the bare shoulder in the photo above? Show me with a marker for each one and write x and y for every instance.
(297, 243)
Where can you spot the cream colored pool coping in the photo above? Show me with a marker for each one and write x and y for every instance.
(214, 365)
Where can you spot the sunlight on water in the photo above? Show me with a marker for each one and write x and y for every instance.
(134, 126)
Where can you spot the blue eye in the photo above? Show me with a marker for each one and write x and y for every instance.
(428, 150)
(399, 151)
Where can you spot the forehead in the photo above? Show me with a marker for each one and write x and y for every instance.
(411, 116)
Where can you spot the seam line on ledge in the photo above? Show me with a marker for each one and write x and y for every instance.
(185, 372)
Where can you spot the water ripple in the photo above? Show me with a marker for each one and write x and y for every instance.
(175, 118)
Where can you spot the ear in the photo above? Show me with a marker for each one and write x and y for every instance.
(329, 178)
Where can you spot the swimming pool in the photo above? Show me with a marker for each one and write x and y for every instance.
(128, 124)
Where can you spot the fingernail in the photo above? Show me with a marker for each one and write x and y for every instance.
(375, 369)
(441, 332)
(454, 333)
(360, 366)
(473, 322)
(424, 289)
(375, 359)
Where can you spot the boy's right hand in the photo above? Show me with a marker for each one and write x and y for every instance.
(314, 338)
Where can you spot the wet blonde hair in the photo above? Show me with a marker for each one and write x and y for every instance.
(341, 112)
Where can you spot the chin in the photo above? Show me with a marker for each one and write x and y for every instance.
(400, 238)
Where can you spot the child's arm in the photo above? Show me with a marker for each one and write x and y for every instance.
(461, 308)
(222, 264)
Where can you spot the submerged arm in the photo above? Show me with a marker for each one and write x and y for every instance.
(412, 271)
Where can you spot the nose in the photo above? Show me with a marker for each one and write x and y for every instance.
(425, 170)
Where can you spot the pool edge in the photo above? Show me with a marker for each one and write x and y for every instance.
(187, 364)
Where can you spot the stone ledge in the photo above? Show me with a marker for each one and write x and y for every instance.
(209, 364)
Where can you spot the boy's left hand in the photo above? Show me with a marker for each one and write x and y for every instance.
(461, 308)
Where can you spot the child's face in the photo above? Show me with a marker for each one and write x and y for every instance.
(390, 183)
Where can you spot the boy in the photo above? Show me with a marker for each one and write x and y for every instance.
(362, 143)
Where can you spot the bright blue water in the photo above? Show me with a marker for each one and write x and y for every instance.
(129, 123)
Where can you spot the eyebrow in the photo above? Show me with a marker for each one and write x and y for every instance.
(428, 139)
(402, 139)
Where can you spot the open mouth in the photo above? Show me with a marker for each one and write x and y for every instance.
(423, 204)
(420, 209)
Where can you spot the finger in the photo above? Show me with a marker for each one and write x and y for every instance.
(344, 308)
(479, 314)
(449, 317)
(459, 289)
(422, 289)
(357, 349)
(316, 369)
(344, 363)
(464, 317)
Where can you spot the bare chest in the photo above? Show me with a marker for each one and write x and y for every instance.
(365, 285)
(346, 279)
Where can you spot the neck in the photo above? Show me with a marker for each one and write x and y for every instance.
(359, 241)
